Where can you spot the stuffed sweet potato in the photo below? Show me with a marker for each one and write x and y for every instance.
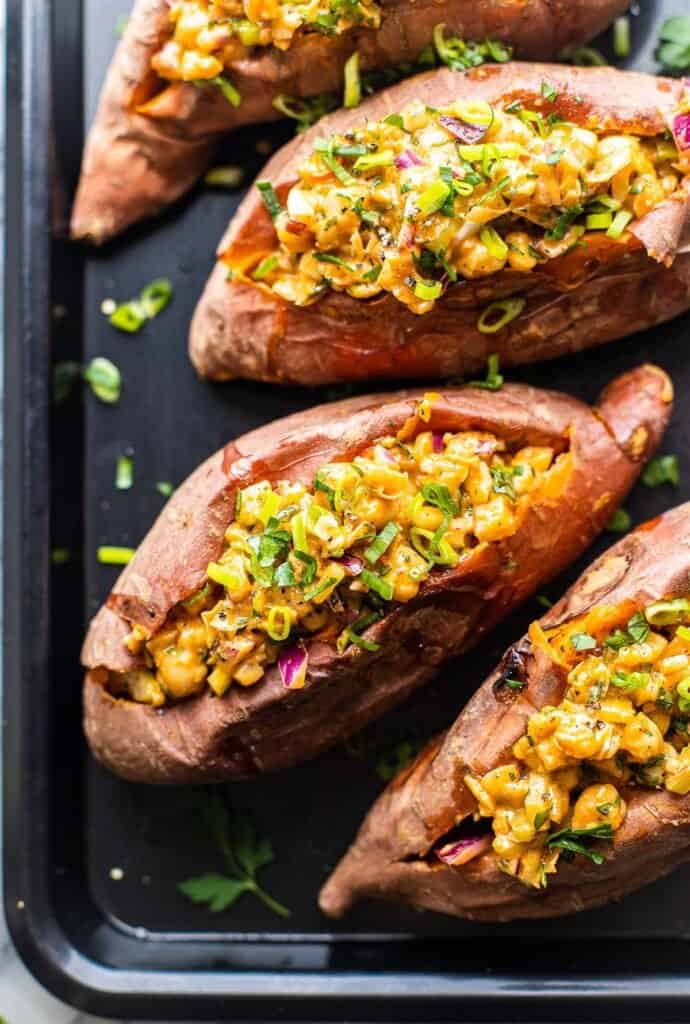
(528, 210)
(188, 71)
(313, 573)
(565, 782)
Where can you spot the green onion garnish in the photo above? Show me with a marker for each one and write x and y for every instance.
(224, 177)
(548, 92)
(60, 556)
(372, 160)
(433, 198)
(247, 31)
(620, 521)
(662, 469)
(494, 243)
(494, 379)
(382, 542)
(621, 37)
(585, 57)
(269, 198)
(353, 85)
(499, 314)
(104, 378)
(320, 587)
(583, 641)
(396, 120)
(228, 89)
(155, 297)
(428, 290)
(598, 221)
(665, 613)
(278, 623)
(265, 267)
(109, 554)
(376, 583)
(124, 473)
(620, 222)
(327, 257)
(165, 488)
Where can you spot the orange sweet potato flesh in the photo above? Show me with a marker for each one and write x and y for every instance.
(266, 727)
(151, 140)
(387, 858)
(241, 329)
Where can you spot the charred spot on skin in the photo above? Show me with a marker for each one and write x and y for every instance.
(512, 672)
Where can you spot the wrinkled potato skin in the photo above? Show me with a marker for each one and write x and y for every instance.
(135, 164)
(266, 727)
(241, 330)
(651, 563)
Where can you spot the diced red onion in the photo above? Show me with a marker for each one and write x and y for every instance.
(464, 850)
(352, 565)
(296, 227)
(437, 440)
(292, 664)
(407, 159)
(385, 455)
(681, 130)
(462, 130)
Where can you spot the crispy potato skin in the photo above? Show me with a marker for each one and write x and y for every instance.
(243, 330)
(135, 164)
(266, 727)
(385, 860)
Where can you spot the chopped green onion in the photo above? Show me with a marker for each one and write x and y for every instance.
(662, 469)
(341, 173)
(279, 623)
(548, 92)
(503, 183)
(109, 554)
(683, 691)
(128, 317)
(265, 267)
(59, 556)
(376, 583)
(269, 198)
(598, 221)
(353, 85)
(284, 576)
(433, 198)
(371, 160)
(440, 497)
(665, 613)
(327, 257)
(494, 379)
(683, 632)
(396, 120)
(121, 24)
(428, 290)
(630, 680)
(155, 297)
(104, 378)
(224, 575)
(381, 543)
(499, 314)
(320, 587)
(620, 222)
(228, 89)
(621, 37)
(165, 488)
(124, 474)
(247, 31)
(269, 506)
(224, 177)
(494, 243)
(585, 57)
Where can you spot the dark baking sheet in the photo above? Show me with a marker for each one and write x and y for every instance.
(125, 942)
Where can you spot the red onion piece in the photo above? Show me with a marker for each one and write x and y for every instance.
(437, 440)
(464, 850)
(407, 159)
(296, 227)
(462, 130)
(681, 130)
(352, 565)
(292, 664)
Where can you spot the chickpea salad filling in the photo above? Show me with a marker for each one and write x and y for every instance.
(622, 724)
(333, 558)
(207, 36)
(429, 196)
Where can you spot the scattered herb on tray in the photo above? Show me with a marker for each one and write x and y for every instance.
(104, 378)
(662, 469)
(131, 316)
(673, 51)
(244, 855)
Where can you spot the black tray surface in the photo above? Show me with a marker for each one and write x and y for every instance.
(92, 863)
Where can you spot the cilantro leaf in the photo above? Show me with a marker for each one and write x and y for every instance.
(673, 51)
(215, 890)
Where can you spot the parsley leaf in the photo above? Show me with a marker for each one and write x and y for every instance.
(244, 854)
(662, 469)
(570, 839)
(673, 51)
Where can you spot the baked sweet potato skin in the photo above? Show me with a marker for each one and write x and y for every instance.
(243, 330)
(137, 162)
(387, 858)
(266, 727)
